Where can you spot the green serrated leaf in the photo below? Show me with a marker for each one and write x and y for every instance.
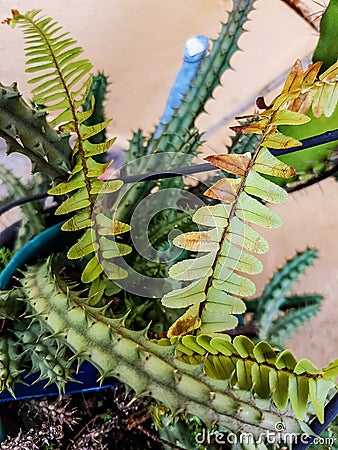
(244, 378)
(319, 389)
(245, 236)
(244, 346)
(81, 220)
(187, 296)
(193, 269)
(92, 270)
(306, 366)
(226, 280)
(261, 187)
(236, 258)
(298, 394)
(279, 385)
(112, 249)
(212, 216)
(83, 247)
(253, 211)
(260, 379)
(97, 149)
(77, 201)
(88, 131)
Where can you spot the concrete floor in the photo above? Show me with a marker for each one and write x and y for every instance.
(140, 45)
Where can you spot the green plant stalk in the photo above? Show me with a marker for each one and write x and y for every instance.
(178, 131)
(33, 222)
(274, 293)
(327, 46)
(284, 326)
(148, 368)
(207, 78)
(98, 90)
(9, 363)
(48, 359)
(48, 149)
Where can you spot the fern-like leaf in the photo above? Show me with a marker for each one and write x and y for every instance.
(62, 87)
(214, 296)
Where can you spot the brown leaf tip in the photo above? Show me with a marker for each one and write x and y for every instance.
(8, 20)
(260, 103)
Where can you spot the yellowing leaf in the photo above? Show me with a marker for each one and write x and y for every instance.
(251, 210)
(261, 187)
(330, 74)
(325, 99)
(235, 164)
(295, 78)
(244, 236)
(107, 226)
(225, 189)
(268, 164)
(199, 241)
(318, 101)
(234, 284)
(216, 322)
(255, 127)
(237, 259)
(188, 322)
(285, 117)
(212, 216)
(193, 269)
(277, 140)
(310, 74)
(192, 294)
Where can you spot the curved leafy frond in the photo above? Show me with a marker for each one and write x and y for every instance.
(62, 88)
(214, 296)
(64, 80)
(260, 368)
